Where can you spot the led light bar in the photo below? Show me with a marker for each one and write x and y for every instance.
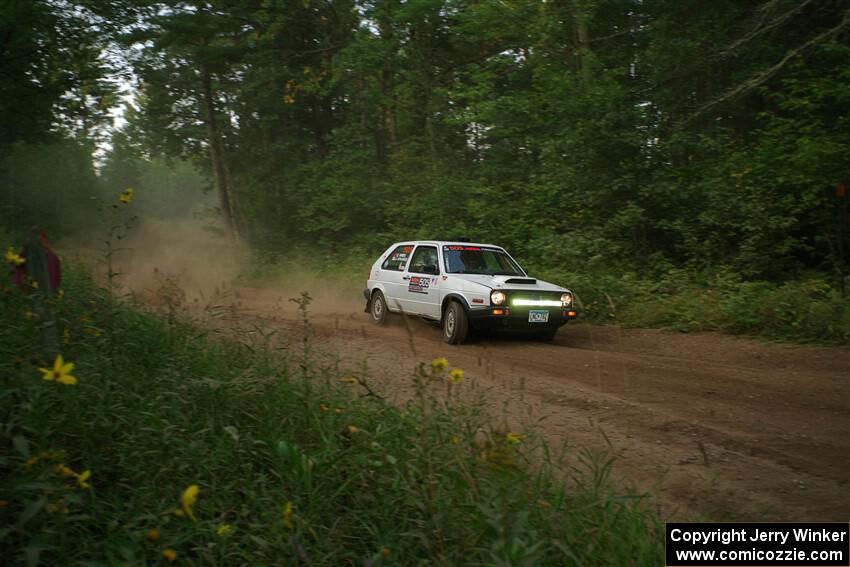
(536, 302)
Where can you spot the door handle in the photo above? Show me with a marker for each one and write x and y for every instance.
(406, 278)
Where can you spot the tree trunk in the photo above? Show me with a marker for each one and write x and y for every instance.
(580, 16)
(219, 166)
(388, 104)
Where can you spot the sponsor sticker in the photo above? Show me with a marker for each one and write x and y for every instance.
(469, 248)
(419, 284)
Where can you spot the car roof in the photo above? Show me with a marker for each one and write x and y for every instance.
(448, 243)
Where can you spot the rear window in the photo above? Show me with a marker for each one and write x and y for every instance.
(398, 258)
(461, 259)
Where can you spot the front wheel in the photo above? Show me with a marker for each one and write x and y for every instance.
(455, 324)
(378, 308)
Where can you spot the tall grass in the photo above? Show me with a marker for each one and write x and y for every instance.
(806, 310)
(294, 463)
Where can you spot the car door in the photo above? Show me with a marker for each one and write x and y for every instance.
(393, 276)
(420, 295)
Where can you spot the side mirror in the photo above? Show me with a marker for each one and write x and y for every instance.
(430, 269)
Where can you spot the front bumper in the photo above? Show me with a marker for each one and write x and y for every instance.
(516, 318)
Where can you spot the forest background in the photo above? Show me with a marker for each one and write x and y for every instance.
(677, 163)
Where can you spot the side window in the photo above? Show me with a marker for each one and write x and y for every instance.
(425, 261)
(397, 260)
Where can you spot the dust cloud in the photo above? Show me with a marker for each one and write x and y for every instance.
(191, 259)
(189, 254)
(338, 295)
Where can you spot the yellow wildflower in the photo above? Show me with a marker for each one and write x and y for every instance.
(456, 375)
(439, 364)
(514, 438)
(61, 294)
(169, 554)
(82, 478)
(187, 502)
(352, 429)
(224, 529)
(13, 257)
(455, 440)
(67, 472)
(60, 372)
(64, 471)
(31, 462)
(287, 515)
(66, 336)
(349, 379)
(153, 535)
(127, 196)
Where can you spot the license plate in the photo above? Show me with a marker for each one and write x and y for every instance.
(535, 316)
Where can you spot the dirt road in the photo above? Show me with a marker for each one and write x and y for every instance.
(714, 427)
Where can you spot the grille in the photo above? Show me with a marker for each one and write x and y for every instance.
(534, 299)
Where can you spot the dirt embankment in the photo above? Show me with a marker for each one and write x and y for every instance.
(710, 426)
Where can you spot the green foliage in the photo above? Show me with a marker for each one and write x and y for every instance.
(807, 310)
(294, 461)
(47, 185)
(53, 75)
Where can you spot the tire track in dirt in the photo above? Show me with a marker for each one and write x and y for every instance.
(711, 426)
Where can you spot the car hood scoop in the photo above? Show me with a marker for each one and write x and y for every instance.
(524, 281)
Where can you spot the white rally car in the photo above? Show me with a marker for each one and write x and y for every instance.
(461, 284)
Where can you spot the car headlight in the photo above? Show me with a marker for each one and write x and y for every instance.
(497, 297)
(567, 299)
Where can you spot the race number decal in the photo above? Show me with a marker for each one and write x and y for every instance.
(419, 285)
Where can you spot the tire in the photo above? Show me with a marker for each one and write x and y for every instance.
(455, 324)
(378, 308)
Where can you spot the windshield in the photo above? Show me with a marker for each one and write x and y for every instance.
(461, 259)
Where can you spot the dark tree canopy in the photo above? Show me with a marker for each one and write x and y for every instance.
(611, 134)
